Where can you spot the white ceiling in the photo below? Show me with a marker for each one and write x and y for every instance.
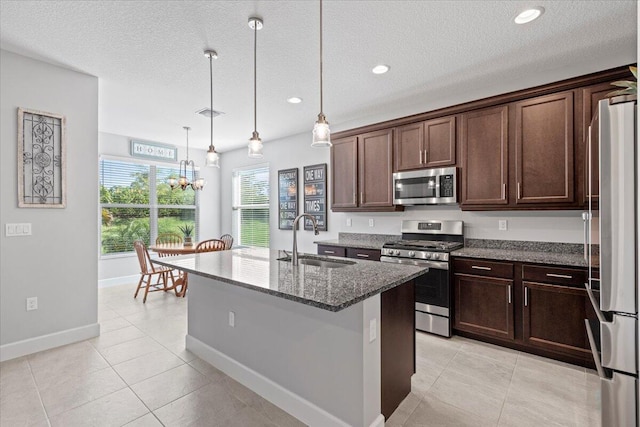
(153, 76)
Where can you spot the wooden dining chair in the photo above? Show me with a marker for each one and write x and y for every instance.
(228, 240)
(211, 245)
(148, 271)
(169, 238)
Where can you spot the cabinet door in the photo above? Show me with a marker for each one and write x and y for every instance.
(368, 254)
(553, 318)
(332, 250)
(484, 305)
(590, 98)
(408, 147)
(544, 149)
(344, 173)
(440, 142)
(485, 163)
(375, 168)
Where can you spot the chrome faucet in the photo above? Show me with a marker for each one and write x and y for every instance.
(294, 252)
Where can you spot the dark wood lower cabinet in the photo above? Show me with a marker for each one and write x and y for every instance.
(541, 310)
(553, 318)
(484, 305)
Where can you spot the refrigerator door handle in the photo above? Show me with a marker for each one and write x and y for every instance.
(585, 228)
(594, 351)
(594, 303)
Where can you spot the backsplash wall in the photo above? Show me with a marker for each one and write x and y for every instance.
(548, 226)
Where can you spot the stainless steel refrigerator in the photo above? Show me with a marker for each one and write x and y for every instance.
(612, 253)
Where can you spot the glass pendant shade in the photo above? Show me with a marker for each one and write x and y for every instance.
(173, 183)
(255, 146)
(198, 184)
(321, 133)
(213, 159)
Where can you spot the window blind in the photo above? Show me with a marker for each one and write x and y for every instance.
(137, 204)
(251, 203)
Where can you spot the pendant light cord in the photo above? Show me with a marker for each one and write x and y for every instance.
(321, 112)
(187, 148)
(211, 81)
(255, 76)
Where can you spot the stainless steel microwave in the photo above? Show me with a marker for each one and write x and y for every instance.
(426, 187)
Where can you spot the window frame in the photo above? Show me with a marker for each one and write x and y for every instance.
(237, 208)
(152, 206)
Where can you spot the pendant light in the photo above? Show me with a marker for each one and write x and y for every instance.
(255, 143)
(183, 182)
(321, 132)
(212, 159)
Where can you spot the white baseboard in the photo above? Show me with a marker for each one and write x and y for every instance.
(297, 406)
(45, 342)
(378, 422)
(117, 281)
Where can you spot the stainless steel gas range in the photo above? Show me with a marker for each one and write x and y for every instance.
(428, 243)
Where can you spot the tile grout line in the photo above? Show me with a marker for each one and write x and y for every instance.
(33, 378)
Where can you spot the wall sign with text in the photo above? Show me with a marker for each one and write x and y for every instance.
(287, 198)
(315, 195)
(154, 150)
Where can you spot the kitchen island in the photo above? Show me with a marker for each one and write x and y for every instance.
(331, 344)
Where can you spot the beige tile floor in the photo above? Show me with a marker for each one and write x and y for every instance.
(138, 373)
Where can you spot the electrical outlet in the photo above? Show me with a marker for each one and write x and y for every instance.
(232, 319)
(502, 224)
(32, 303)
(348, 222)
(371, 222)
(373, 330)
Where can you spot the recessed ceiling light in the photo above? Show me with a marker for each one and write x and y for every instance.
(380, 69)
(294, 100)
(529, 15)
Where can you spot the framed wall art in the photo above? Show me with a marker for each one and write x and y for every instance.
(315, 195)
(287, 198)
(41, 159)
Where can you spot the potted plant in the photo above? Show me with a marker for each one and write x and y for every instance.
(187, 230)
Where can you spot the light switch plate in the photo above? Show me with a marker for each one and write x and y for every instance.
(348, 222)
(232, 319)
(17, 230)
(373, 330)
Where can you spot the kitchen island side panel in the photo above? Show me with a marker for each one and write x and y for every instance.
(321, 356)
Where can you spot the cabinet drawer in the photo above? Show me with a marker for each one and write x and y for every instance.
(483, 268)
(370, 254)
(562, 276)
(332, 250)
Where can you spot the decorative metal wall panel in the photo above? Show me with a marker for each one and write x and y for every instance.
(41, 159)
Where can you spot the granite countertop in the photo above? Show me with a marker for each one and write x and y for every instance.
(360, 240)
(330, 289)
(566, 254)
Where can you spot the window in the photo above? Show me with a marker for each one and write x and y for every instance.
(137, 204)
(251, 206)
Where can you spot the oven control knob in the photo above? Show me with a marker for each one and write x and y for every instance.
(436, 256)
(427, 256)
(396, 252)
(412, 254)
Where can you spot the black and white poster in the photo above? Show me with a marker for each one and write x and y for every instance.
(287, 198)
(315, 195)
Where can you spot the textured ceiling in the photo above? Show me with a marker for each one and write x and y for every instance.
(153, 76)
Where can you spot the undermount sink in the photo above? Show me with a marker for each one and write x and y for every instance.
(319, 262)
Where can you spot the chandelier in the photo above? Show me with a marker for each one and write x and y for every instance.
(183, 182)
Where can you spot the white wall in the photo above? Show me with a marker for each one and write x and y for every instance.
(58, 263)
(291, 152)
(112, 268)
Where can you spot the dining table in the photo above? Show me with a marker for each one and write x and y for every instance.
(173, 249)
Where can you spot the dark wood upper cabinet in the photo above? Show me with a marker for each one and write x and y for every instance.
(544, 149)
(344, 171)
(428, 144)
(484, 151)
(408, 147)
(440, 142)
(375, 168)
(590, 97)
